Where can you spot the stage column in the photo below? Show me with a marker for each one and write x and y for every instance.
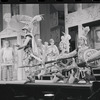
(66, 26)
(79, 8)
(1, 28)
(19, 70)
(14, 9)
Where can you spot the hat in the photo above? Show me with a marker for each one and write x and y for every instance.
(6, 15)
(51, 40)
(39, 40)
(66, 36)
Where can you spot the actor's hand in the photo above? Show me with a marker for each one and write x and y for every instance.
(17, 45)
(18, 48)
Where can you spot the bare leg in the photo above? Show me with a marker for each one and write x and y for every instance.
(57, 77)
(41, 73)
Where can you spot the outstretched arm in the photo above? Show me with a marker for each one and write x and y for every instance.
(71, 54)
(94, 56)
(25, 43)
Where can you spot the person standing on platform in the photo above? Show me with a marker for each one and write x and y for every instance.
(52, 54)
(41, 50)
(7, 56)
(30, 45)
(53, 51)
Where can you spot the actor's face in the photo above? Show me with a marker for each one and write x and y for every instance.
(25, 31)
(46, 43)
(51, 42)
(6, 44)
(7, 19)
(61, 46)
(81, 42)
(39, 42)
(65, 46)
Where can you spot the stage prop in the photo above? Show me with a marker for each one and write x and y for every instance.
(86, 54)
(14, 35)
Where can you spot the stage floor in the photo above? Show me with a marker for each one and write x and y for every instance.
(47, 83)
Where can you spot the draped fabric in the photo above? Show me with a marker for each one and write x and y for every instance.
(34, 45)
(17, 22)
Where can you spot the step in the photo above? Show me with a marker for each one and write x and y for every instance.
(47, 77)
(97, 78)
(96, 71)
(97, 75)
(96, 68)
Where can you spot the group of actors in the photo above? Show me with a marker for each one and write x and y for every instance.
(65, 66)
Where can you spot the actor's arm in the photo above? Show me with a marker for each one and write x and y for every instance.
(71, 54)
(25, 42)
(94, 56)
(1, 55)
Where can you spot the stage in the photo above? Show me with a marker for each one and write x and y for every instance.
(17, 90)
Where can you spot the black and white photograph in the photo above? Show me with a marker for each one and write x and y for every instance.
(50, 51)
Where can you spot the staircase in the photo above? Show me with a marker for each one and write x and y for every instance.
(97, 73)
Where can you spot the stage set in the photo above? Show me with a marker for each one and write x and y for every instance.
(33, 70)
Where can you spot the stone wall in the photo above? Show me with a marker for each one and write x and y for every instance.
(83, 16)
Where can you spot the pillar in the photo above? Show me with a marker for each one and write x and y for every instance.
(14, 9)
(6, 9)
(79, 8)
(1, 17)
(66, 27)
(1, 28)
(19, 70)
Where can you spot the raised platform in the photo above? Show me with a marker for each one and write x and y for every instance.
(17, 90)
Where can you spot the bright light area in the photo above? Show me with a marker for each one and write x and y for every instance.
(49, 95)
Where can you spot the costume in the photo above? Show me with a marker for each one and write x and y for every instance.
(83, 73)
(31, 49)
(7, 63)
(63, 45)
(52, 52)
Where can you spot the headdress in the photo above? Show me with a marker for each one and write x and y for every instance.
(65, 41)
(66, 36)
(51, 40)
(84, 33)
(6, 15)
(29, 24)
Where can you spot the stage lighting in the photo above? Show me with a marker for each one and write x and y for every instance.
(49, 95)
